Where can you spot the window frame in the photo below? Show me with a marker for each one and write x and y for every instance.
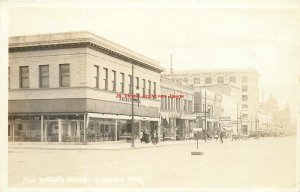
(64, 75)
(22, 77)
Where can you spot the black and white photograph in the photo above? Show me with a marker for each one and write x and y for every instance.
(139, 95)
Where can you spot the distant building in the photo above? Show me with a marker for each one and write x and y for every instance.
(244, 78)
(176, 111)
(63, 88)
(279, 120)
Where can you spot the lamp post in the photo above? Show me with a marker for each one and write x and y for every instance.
(132, 107)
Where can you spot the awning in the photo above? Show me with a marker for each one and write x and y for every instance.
(125, 117)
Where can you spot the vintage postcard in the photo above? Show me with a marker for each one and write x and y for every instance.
(159, 96)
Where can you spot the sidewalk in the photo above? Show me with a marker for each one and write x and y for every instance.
(99, 146)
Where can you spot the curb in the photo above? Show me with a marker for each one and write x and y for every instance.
(106, 149)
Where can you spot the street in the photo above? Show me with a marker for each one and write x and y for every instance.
(268, 162)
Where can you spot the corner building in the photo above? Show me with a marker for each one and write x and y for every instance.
(63, 87)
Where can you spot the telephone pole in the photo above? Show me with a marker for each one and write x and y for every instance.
(205, 129)
(132, 106)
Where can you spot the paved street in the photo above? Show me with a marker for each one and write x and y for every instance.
(269, 162)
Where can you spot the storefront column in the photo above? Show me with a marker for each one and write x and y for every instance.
(46, 131)
(78, 130)
(59, 130)
(84, 127)
(116, 130)
(42, 128)
(13, 131)
(140, 125)
(69, 129)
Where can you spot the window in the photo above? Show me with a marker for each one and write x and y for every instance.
(137, 83)
(24, 77)
(149, 87)
(245, 106)
(8, 130)
(114, 80)
(244, 88)
(220, 80)
(196, 80)
(232, 79)
(244, 97)
(9, 77)
(44, 76)
(245, 116)
(96, 76)
(208, 80)
(64, 75)
(122, 82)
(196, 107)
(105, 79)
(144, 86)
(244, 79)
(129, 85)
(154, 88)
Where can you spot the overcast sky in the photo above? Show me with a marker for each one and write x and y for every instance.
(266, 39)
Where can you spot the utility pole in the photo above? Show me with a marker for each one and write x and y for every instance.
(171, 64)
(132, 106)
(205, 129)
(237, 118)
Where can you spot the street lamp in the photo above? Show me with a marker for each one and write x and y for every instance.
(132, 105)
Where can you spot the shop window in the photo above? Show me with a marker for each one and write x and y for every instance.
(19, 127)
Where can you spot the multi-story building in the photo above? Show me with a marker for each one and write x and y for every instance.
(63, 88)
(177, 119)
(245, 78)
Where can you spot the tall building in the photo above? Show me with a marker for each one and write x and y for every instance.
(246, 79)
(64, 87)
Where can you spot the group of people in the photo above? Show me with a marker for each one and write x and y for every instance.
(146, 137)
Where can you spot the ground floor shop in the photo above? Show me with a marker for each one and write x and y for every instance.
(78, 128)
(177, 127)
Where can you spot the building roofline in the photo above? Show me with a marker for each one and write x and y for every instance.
(211, 70)
(52, 40)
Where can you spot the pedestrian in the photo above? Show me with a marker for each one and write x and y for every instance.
(221, 135)
(141, 135)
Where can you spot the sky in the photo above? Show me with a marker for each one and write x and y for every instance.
(266, 39)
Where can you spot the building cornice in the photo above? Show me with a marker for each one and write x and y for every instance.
(81, 40)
